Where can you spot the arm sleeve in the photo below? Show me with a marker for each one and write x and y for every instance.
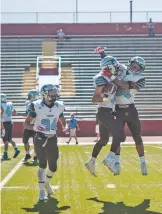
(140, 84)
(100, 81)
(31, 110)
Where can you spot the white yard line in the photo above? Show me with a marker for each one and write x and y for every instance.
(156, 147)
(27, 187)
(11, 173)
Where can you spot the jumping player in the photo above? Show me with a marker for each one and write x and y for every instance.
(129, 81)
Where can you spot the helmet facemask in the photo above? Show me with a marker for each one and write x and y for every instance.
(50, 93)
(109, 64)
(33, 95)
(136, 65)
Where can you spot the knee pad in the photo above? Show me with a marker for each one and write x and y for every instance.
(42, 165)
(138, 139)
(53, 167)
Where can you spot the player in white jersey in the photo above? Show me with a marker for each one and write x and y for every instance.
(33, 95)
(6, 121)
(107, 122)
(46, 113)
(130, 80)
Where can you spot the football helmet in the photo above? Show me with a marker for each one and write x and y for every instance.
(111, 64)
(136, 65)
(49, 92)
(3, 98)
(33, 95)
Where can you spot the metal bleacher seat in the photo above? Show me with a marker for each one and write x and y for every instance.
(18, 54)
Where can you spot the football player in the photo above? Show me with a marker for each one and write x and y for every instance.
(130, 81)
(107, 122)
(46, 112)
(7, 112)
(33, 95)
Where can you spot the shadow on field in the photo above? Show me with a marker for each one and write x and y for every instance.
(30, 163)
(121, 208)
(47, 207)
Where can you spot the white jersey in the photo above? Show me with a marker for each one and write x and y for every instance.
(7, 111)
(99, 80)
(127, 96)
(27, 103)
(46, 118)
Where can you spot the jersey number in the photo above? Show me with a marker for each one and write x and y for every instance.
(49, 126)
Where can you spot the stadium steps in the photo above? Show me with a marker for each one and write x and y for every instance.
(29, 80)
(67, 82)
(49, 49)
(18, 54)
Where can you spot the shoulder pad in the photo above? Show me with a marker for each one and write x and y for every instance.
(133, 77)
(59, 103)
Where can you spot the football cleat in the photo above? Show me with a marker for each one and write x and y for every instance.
(42, 195)
(17, 152)
(5, 156)
(91, 166)
(118, 168)
(48, 188)
(110, 164)
(27, 157)
(143, 168)
(35, 159)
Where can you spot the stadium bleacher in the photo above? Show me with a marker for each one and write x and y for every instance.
(19, 58)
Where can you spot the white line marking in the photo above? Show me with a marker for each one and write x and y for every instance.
(156, 147)
(111, 186)
(27, 187)
(11, 173)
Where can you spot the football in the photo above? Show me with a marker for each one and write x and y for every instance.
(109, 88)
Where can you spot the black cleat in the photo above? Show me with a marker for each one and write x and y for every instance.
(27, 157)
(17, 152)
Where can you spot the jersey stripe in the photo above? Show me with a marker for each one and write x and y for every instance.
(100, 81)
(140, 83)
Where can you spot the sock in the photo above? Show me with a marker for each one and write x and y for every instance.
(111, 155)
(92, 159)
(41, 185)
(5, 153)
(15, 147)
(117, 158)
(35, 154)
(142, 159)
(49, 175)
(41, 178)
(27, 152)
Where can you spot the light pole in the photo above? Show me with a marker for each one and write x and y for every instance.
(131, 2)
(76, 11)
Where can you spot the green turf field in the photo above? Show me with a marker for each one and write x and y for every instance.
(78, 192)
